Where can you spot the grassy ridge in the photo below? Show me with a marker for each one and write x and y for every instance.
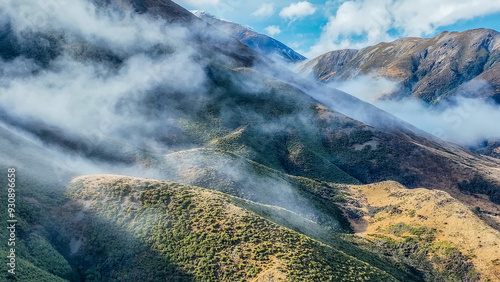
(204, 234)
(427, 229)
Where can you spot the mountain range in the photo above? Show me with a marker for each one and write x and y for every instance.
(176, 152)
(430, 69)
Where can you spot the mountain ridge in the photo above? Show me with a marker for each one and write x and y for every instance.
(259, 42)
(430, 69)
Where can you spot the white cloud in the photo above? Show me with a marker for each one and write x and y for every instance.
(200, 2)
(273, 30)
(65, 86)
(462, 120)
(373, 20)
(297, 10)
(367, 88)
(468, 121)
(265, 10)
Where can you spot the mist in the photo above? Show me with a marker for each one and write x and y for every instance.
(104, 89)
(116, 86)
(105, 61)
(463, 119)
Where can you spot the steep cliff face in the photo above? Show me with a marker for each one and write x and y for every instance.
(328, 65)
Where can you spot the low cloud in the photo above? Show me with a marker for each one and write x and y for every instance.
(466, 121)
(297, 10)
(106, 64)
(366, 88)
(273, 30)
(265, 10)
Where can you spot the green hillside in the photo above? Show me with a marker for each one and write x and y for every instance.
(131, 225)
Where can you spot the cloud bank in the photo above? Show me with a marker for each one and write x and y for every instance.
(467, 121)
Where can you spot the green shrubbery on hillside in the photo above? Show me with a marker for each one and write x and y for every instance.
(202, 233)
(38, 258)
(416, 245)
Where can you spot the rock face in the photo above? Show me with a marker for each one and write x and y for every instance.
(259, 42)
(490, 148)
(430, 69)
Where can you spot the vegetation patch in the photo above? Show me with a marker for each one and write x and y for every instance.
(417, 246)
(200, 233)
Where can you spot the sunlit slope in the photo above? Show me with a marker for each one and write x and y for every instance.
(427, 224)
(201, 233)
(430, 69)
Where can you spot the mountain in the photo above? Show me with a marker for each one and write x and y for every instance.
(175, 152)
(430, 69)
(259, 42)
(184, 233)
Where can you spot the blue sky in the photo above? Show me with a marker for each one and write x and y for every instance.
(314, 27)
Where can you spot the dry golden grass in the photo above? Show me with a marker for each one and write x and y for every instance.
(393, 72)
(455, 222)
(273, 273)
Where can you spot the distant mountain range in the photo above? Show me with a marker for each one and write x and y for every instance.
(174, 152)
(259, 42)
(431, 69)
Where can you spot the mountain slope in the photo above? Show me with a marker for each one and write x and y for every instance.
(234, 175)
(266, 117)
(48, 219)
(430, 69)
(393, 214)
(259, 42)
(202, 232)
